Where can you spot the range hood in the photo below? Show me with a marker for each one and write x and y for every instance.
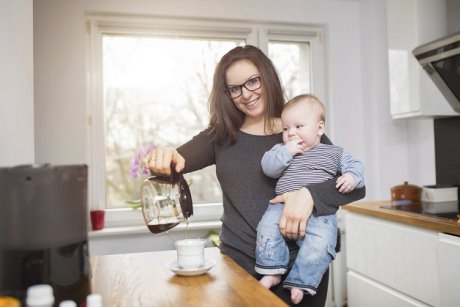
(441, 60)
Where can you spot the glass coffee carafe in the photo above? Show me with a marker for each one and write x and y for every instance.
(166, 201)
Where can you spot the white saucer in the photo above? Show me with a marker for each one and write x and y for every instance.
(206, 266)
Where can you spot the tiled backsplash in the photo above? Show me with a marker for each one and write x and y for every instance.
(447, 150)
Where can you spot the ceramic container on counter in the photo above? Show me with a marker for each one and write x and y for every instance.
(406, 193)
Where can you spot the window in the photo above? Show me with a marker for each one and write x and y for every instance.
(292, 61)
(149, 84)
(155, 92)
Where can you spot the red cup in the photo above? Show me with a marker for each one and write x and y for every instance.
(97, 219)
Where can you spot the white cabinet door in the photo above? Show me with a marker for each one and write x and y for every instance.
(411, 23)
(449, 269)
(364, 292)
(395, 255)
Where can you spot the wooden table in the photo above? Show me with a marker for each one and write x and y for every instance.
(142, 279)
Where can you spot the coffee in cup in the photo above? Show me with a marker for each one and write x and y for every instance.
(190, 253)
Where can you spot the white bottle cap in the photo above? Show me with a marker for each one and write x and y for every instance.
(68, 304)
(40, 295)
(94, 300)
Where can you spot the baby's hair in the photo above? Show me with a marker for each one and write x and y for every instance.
(313, 102)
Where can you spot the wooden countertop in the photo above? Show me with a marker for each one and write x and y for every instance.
(142, 279)
(374, 208)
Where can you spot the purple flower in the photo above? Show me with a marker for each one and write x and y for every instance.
(137, 167)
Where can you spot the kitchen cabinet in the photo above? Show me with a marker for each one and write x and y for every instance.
(400, 260)
(395, 264)
(364, 290)
(449, 269)
(412, 23)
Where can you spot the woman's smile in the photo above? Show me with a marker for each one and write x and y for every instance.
(251, 103)
(252, 107)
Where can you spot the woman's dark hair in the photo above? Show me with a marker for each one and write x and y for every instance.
(225, 117)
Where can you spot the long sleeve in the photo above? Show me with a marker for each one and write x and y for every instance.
(350, 164)
(327, 198)
(275, 161)
(198, 152)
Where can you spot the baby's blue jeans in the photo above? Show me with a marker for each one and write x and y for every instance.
(316, 250)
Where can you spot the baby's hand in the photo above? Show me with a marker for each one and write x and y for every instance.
(294, 147)
(346, 183)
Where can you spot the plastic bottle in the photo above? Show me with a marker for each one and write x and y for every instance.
(94, 300)
(68, 303)
(40, 296)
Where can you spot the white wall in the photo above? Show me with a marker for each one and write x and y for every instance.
(60, 76)
(16, 83)
(357, 71)
(453, 16)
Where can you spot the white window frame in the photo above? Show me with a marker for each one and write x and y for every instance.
(258, 34)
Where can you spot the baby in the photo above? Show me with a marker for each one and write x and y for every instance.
(300, 161)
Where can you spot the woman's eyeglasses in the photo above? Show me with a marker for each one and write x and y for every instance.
(236, 91)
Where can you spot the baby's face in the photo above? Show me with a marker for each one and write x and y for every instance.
(301, 123)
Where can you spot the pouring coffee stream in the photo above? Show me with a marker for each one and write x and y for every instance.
(166, 201)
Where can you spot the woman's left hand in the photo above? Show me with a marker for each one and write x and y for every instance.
(298, 206)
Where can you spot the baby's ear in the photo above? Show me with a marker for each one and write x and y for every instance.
(320, 128)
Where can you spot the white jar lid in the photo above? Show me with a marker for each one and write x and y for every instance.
(40, 295)
(94, 300)
(68, 304)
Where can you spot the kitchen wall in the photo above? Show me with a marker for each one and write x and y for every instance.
(447, 140)
(16, 83)
(61, 119)
(453, 16)
(392, 150)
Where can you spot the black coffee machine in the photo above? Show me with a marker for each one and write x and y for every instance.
(43, 230)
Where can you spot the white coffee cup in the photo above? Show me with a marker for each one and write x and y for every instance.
(190, 253)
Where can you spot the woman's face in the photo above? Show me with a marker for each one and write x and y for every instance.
(250, 102)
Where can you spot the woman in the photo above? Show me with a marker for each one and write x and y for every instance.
(245, 105)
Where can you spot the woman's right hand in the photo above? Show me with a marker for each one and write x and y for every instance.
(159, 161)
(298, 206)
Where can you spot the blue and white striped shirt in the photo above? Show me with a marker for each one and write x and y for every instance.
(318, 164)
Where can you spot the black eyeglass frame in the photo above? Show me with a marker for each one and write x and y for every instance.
(229, 95)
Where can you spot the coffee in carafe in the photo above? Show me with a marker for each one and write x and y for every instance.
(166, 201)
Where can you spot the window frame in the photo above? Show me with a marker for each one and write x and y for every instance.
(254, 33)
